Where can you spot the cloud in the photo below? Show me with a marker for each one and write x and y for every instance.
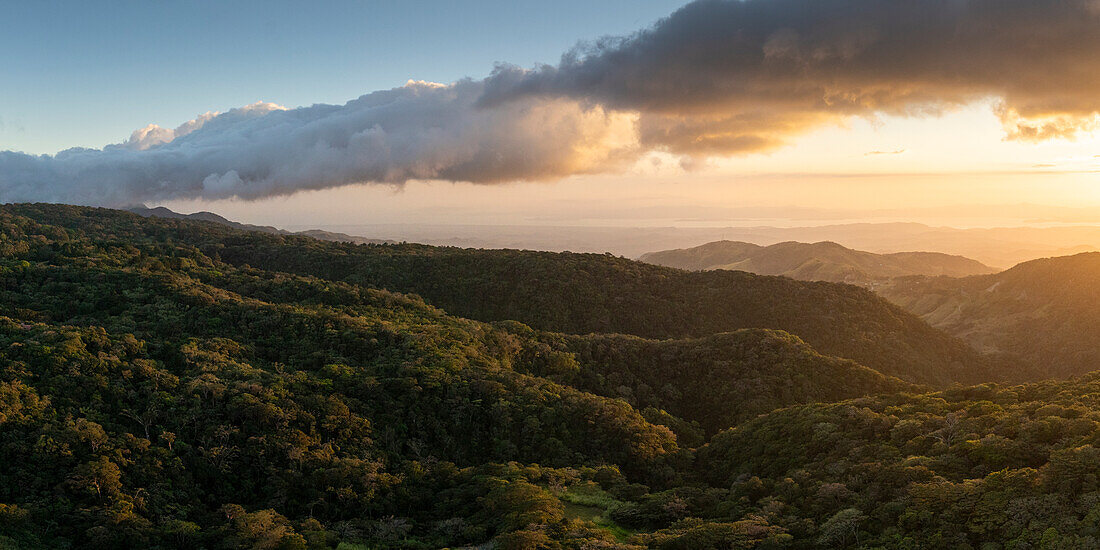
(730, 76)
(153, 135)
(877, 153)
(420, 131)
(717, 77)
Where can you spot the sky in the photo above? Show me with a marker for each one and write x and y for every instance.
(89, 73)
(970, 112)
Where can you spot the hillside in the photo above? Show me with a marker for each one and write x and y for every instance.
(181, 401)
(586, 293)
(980, 467)
(822, 261)
(589, 293)
(162, 212)
(1046, 311)
(717, 381)
(154, 394)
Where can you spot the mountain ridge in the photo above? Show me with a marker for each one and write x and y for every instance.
(1043, 311)
(320, 234)
(591, 293)
(823, 260)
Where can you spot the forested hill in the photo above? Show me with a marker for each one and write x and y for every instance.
(152, 396)
(585, 293)
(589, 293)
(717, 381)
(822, 261)
(1046, 312)
(162, 212)
(980, 467)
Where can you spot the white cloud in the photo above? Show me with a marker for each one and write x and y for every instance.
(420, 131)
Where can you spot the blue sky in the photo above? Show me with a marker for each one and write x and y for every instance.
(81, 73)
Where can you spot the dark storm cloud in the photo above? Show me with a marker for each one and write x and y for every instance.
(732, 76)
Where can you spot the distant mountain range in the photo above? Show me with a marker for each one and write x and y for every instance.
(1001, 247)
(822, 261)
(162, 212)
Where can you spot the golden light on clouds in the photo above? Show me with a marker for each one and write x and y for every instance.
(729, 89)
(957, 169)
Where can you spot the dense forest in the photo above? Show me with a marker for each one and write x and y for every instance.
(592, 293)
(716, 381)
(589, 293)
(181, 384)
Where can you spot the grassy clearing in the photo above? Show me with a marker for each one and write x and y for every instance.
(587, 501)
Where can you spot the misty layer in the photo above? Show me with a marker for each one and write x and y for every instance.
(714, 78)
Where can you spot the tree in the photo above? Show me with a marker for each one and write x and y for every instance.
(842, 527)
(100, 476)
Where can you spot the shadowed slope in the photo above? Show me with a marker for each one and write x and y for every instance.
(1046, 311)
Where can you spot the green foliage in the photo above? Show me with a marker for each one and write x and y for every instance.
(588, 293)
(153, 402)
(571, 293)
(717, 381)
(970, 465)
(177, 384)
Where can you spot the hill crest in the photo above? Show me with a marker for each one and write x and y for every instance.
(1043, 311)
(819, 261)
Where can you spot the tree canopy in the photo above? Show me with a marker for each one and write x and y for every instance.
(178, 384)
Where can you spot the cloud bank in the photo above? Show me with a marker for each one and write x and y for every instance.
(419, 131)
(717, 77)
(727, 76)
